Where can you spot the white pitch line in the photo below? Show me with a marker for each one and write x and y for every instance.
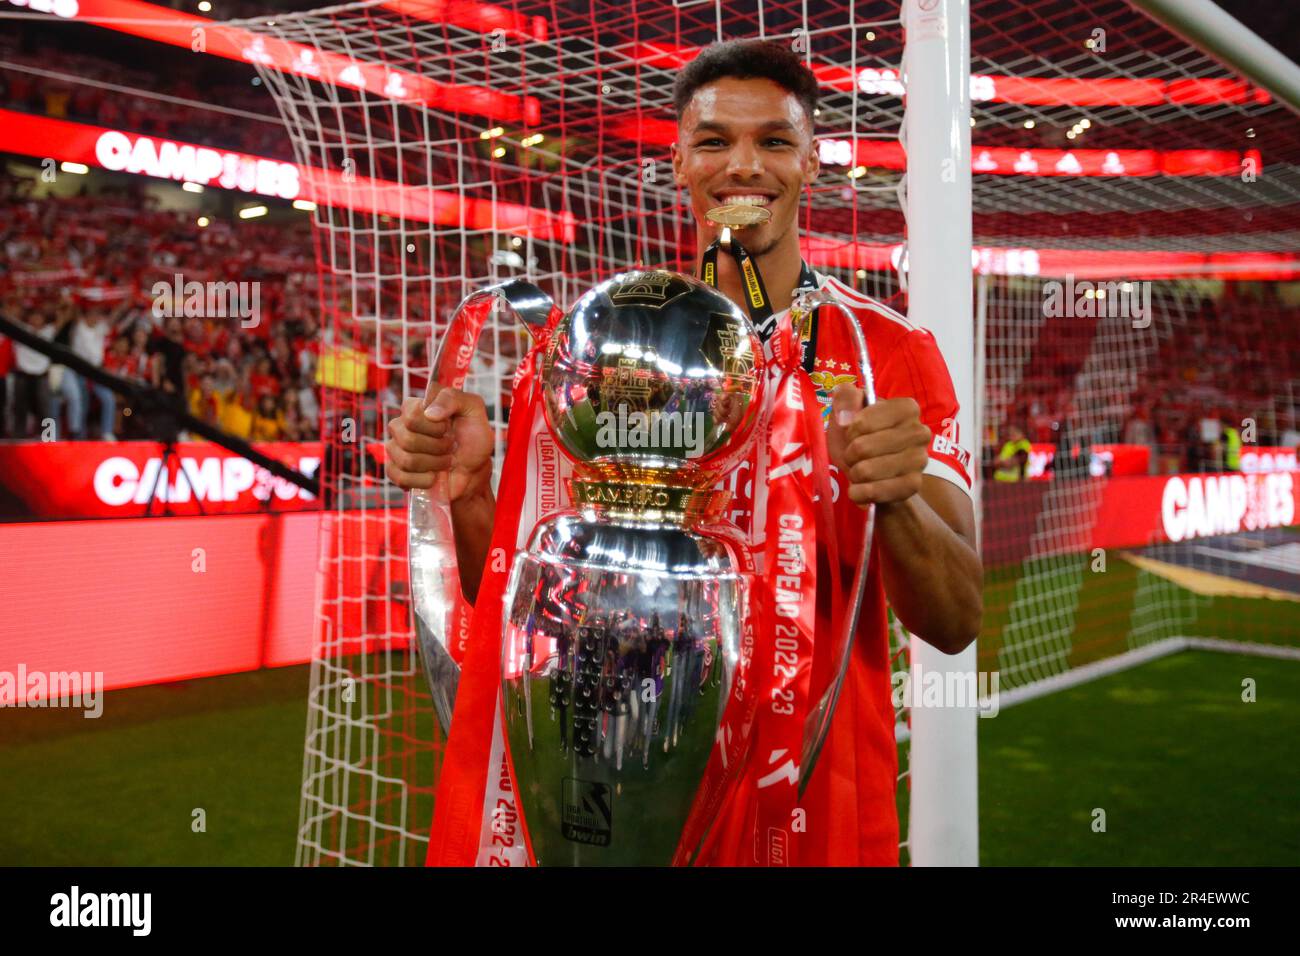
(1282, 557)
(1122, 662)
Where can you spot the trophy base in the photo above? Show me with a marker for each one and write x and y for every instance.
(621, 642)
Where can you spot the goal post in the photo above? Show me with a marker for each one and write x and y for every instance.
(943, 824)
(1204, 24)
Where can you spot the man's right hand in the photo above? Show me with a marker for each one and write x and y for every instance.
(446, 431)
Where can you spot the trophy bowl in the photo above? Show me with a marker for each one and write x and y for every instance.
(654, 372)
(625, 614)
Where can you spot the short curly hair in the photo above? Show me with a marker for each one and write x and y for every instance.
(747, 59)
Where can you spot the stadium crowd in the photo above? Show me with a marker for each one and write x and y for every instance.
(97, 98)
(1233, 359)
(81, 271)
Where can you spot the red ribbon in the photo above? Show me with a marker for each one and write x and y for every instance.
(753, 792)
(466, 766)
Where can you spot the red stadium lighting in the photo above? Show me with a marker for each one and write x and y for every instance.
(169, 26)
(482, 17)
(113, 149)
(235, 43)
(28, 135)
(1090, 264)
(1028, 91)
(1061, 91)
(995, 160)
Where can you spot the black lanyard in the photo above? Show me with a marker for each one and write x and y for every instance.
(760, 305)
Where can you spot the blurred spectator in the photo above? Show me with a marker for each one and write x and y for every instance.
(1013, 460)
(1138, 430)
(31, 379)
(170, 345)
(89, 333)
(1199, 453)
(1073, 455)
(292, 427)
(205, 404)
(62, 387)
(264, 380)
(6, 366)
(308, 406)
(266, 424)
(1231, 445)
(236, 412)
(138, 363)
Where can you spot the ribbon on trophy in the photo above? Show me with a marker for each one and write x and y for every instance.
(476, 816)
(745, 810)
(799, 528)
(456, 366)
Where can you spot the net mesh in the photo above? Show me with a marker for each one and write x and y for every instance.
(1101, 372)
(532, 139)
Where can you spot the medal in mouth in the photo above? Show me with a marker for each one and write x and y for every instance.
(739, 213)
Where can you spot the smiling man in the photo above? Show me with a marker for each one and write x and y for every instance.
(746, 113)
(746, 138)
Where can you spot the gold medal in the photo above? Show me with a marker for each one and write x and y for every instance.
(738, 215)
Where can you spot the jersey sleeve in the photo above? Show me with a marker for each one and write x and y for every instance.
(915, 368)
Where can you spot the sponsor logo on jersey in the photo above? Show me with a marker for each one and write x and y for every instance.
(943, 445)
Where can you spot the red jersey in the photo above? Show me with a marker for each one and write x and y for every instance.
(851, 815)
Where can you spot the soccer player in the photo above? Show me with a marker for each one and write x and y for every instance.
(745, 135)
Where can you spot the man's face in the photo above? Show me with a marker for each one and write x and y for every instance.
(746, 138)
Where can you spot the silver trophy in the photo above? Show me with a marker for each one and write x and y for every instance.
(624, 615)
(431, 552)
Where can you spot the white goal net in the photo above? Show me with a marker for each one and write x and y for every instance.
(458, 144)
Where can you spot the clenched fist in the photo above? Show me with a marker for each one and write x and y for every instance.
(882, 449)
(446, 431)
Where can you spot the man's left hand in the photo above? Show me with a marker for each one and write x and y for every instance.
(883, 448)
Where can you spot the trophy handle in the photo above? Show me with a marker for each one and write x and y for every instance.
(819, 721)
(434, 574)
